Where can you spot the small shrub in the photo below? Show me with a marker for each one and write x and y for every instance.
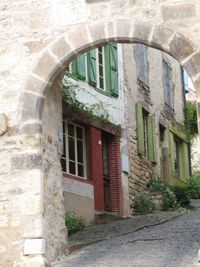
(144, 203)
(194, 187)
(73, 222)
(169, 201)
(182, 196)
(156, 186)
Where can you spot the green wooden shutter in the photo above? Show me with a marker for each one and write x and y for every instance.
(151, 137)
(113, 70)
(91, 59)
(184, 161)
(74, 67)
(80, 67)
(140, 128)
(171, 151)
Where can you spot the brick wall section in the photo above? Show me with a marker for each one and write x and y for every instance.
(115, 174)
(96, 168)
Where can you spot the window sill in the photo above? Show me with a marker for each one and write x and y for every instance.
(77, 178)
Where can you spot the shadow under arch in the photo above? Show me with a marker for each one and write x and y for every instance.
(57, 55)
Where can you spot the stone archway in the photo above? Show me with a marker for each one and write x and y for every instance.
(54, 59)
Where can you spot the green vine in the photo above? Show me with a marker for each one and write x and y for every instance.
(69, 95)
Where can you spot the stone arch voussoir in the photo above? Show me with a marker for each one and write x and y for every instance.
(56, 56)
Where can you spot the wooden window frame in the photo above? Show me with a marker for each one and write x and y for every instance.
(66, 159)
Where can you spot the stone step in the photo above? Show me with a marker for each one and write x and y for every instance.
(106, 217)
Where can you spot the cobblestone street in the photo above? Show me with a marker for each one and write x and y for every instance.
(174, 243)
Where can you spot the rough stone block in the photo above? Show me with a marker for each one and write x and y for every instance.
(35, 84)
(32, 106)
(79, 39)
(46, 66)
(98, 33)
(36, 261)
(124, 28)
(35, 229)
(178, 12)
(181, 47)
(62, 49)
(161, 35)
(192, 65)
(4, 220)
(34, 246)
(142, 31)
(26, 161)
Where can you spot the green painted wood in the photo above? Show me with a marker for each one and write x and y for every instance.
(80, 67)
(140, 128)
(92, 68)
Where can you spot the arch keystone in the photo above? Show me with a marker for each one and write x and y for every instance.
(124, 30)
(142, 32)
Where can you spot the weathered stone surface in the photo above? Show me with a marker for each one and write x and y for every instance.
(142, 31)
(46, 66)
(99, 33)
(36, 85)
(32, 109)
(34, 246)
(178, 12)
(161, 35)
(26, 161)
(62, 49)
(180, 47)
(192, 65)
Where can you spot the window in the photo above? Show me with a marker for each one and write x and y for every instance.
(145, 133)
(167, 84)
(99, 67)
(73, 160)
(142, 64)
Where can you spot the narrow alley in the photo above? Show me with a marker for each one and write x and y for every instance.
(174, 243)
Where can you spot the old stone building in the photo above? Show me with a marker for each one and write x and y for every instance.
(38, 40)
(140, 91)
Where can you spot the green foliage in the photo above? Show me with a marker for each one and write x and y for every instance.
(191, 118)
(169, 201)
(182, 196)
(69, 95)
(73, 222)
(155, 185)
(194, 187)
(144, 203)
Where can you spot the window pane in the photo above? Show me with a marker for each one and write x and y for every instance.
(101, 82)
(64, 147)
(63, 164)
(101, 70)
(71, 148)
(80, 151)
(70, 129)
(79, 132)
(72, 168)
(80, 170)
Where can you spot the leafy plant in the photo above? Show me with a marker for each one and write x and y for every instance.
(191, 118)
(194, 187)
(155, 185)
(169, 201)
(73, 222)
(144, 203)
(182, 196)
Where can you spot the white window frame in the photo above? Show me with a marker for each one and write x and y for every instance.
(66, 122)
(97, 68)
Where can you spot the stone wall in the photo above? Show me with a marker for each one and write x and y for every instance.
(141, 169)
(37, 39)
(195, 154)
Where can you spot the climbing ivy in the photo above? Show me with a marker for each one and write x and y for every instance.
(69, 95)
(191, 119)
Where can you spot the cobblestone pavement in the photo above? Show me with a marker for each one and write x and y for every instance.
(174, 243)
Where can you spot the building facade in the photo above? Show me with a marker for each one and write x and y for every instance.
(139, 93)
